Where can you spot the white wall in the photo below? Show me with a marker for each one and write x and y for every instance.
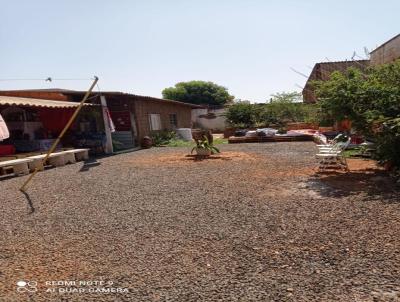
(210, 119)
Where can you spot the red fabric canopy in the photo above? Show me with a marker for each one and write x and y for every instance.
(55, 119)
(7, 150)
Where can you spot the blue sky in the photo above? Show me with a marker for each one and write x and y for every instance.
(144, 46)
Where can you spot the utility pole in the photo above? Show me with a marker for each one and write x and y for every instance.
(57, 141)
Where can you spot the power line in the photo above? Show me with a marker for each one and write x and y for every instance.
(298, 72)
(48, 79)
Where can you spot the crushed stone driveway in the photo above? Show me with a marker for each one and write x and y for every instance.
(255, 223)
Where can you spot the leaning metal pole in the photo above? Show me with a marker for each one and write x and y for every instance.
(56, 142)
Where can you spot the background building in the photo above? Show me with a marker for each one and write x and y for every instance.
(134, 116)
(322, 72)
(387, 52)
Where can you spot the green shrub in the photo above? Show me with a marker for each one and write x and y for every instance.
(241, 114)
(281, 109)
(162, 138)
(388, 142)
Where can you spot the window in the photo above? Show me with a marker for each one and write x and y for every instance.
(173, 120)
(155, 121)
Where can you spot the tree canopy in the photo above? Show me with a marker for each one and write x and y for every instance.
(282, 108)
(286, 97)
(198, 92)
(371, 100)
(241, 114)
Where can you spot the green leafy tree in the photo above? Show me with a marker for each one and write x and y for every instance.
(286, 107)
(198, 92)
(241, 114)
(283, 108)
(286, 97)
(343, 97)
(371, 100)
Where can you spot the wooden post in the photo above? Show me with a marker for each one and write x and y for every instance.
(56, 142)
(107, 128)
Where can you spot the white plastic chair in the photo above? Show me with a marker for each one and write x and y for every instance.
(339, 146)
(333, 157)
(332, 142)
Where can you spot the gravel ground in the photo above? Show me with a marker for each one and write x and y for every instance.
(254, 224)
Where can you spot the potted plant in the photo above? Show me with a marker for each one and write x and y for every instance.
(204, 147)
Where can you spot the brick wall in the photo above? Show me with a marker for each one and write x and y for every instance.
(143, 108)
(322, 72)
(387, 53)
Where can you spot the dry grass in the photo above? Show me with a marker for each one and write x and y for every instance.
(182, 158)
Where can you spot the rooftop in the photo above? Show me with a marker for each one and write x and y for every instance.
(342, 62)
(31, 102)
(110, 93)
(388, 41)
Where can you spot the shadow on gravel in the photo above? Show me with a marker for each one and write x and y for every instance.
(90, 163)
(8, 176)
(30, 203)
(373, 182)
(201, 158)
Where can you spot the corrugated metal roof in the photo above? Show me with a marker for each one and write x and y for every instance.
(106, 93)
(11, 100)
(143, 97)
